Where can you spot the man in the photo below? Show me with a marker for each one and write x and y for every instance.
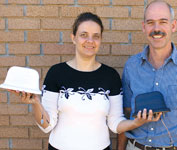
(154, 69)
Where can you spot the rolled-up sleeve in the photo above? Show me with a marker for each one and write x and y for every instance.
(116, 112)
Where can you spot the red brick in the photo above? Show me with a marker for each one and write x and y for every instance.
(22, 120)
(44, 72)
(54, 48)
(93, 2)
(12, 61)
(171, 2)
(24, 2)
(37, 133)
(1, 81)
(115, 37)
(27, 144)
(3, 72)
(43, 36)
(120, 71)
(45, 144)
(113, 61)
(126, 24)
(104, 49)
(67, 36)
(138, 37)
(174, 38)
(4, 109)
(56, 23)
(4, 120)
(22, 24)
(18, 109)
(2, 1)
(137, 12)
(14, 98)
(11, 11)
(106, 23)
(113, 12)
(11, 36)
(3, 98)
(66, 57)
(175, 11)
(128, 2)
(13, 109)
(43, 60)
(9, 132)
(58, 2)
(118, 49)
(75, 11)
(24, 48)
(42, 11)
(114, 143)
(4, 143)
(41, 83)
(2, 24)
(2, 49)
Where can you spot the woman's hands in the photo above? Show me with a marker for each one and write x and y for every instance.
(27, 98)
(145, 117)
(142, 118)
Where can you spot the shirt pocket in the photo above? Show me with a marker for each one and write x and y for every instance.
(171, 99)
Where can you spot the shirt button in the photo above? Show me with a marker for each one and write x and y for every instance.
(152, 129)
(153, 69)
(157, 83)
(150, 140)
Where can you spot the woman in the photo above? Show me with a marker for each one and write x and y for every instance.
(82, 97)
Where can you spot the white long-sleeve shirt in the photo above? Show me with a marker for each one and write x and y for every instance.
(81, 106)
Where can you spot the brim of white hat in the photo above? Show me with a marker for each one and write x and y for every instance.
(10, 87)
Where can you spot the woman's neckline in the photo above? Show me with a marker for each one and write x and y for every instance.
(95, 70)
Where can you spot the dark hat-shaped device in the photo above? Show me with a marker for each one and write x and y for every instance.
(152, 100)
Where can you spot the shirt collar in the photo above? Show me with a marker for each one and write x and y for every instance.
(172, 57)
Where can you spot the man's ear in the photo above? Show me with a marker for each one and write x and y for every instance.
(143, 26)
(174, 26)
(73, 38)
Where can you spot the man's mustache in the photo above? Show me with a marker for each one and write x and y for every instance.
(157, 33)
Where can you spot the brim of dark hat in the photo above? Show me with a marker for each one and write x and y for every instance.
(154, 111)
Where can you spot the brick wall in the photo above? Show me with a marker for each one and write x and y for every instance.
(36, 34)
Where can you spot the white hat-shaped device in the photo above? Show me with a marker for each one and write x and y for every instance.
(22, 79)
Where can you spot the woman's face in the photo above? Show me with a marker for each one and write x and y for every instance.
(87, 39)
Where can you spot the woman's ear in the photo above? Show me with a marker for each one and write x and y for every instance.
(73, 38)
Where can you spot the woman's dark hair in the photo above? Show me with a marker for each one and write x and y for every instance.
(87, 16)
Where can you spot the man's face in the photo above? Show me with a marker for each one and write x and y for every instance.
(158, 25)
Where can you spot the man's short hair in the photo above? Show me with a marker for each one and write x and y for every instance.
(172, 14)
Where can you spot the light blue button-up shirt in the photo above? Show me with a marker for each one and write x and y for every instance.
(139, 77)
